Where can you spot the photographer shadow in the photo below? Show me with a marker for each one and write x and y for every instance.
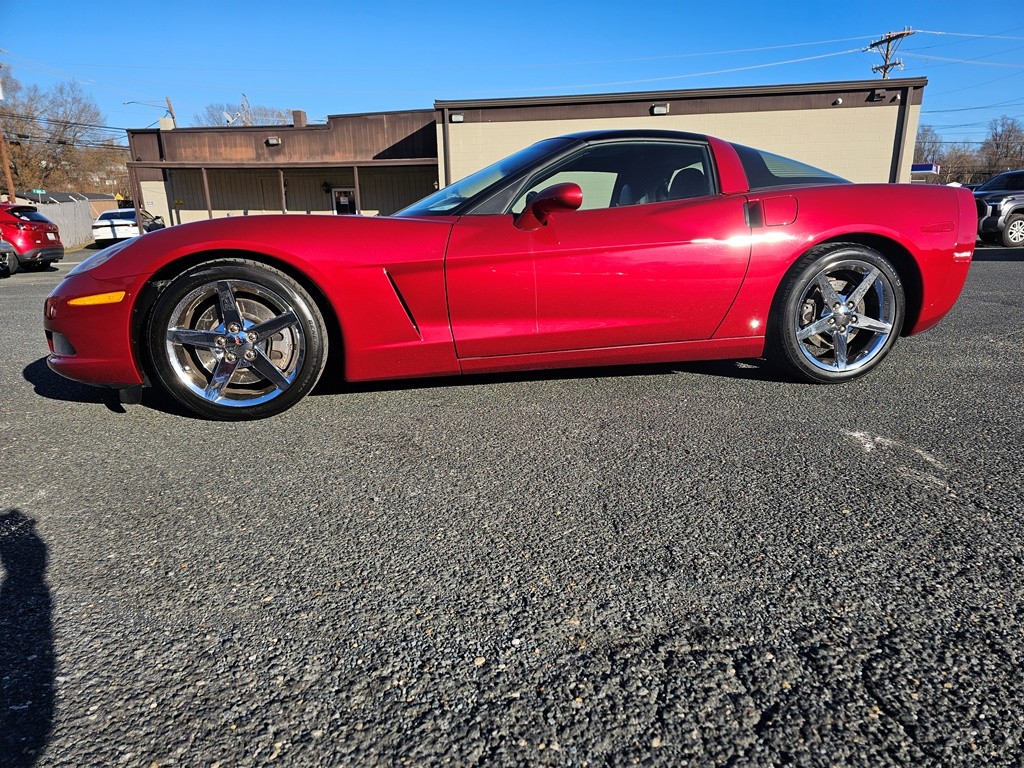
(27, 657)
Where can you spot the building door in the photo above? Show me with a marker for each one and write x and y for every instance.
(344, 201)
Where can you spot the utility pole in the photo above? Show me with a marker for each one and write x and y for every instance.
(170, 111)
(7, 166)
(891, 41)
(4, 159)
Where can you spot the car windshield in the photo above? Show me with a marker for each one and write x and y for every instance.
(1004, 181)
(126, 215)
(446, 200)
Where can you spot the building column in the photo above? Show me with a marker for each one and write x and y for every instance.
(206, 193)
(355, 183)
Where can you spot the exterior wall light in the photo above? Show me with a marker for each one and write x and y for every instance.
(659, 109)
(457, 117)
(273, 141)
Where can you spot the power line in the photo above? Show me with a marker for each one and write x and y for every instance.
(694, 74)
(967, 34)
(1011, 103)
(17, 138)
(61, 122)
(976, 62)
(515, 67)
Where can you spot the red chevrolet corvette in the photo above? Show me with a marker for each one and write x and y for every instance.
(593, 249)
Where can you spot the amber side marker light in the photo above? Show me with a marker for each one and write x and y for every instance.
(97, 298)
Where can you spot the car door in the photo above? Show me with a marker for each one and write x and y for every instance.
(630, 267)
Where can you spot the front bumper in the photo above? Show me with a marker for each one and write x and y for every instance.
(93, 343)
(990, 225)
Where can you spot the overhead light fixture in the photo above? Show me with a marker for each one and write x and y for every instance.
(659, 109)
(457, 117)
(273, 141)
(837, 102)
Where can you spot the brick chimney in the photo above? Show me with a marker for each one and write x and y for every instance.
(299, 118)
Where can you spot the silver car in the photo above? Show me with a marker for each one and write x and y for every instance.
(8, 259)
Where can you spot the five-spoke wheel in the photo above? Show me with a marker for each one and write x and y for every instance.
(234, 339)
(838, 313)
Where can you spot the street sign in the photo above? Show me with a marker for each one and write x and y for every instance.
(38, 191)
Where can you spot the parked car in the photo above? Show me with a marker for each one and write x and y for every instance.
(1000, 202)
(599, 248)
(34, 237)
(120, 224)
(8, 259)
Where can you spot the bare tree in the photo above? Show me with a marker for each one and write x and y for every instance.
(928, 147)
(1003, 150)
(960, 164)
(56, 139)
(241, 114)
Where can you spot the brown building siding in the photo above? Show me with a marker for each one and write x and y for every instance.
(344, 139)
(246, 168)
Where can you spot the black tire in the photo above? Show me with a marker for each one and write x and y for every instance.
(234, 339)
(11, 263)
(1013, 232)
(837, 314)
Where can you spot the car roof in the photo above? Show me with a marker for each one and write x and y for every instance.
(635, 133)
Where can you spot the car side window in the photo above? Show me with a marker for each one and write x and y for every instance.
(616, 174)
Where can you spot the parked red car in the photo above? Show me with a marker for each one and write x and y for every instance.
(607, 247)
(35, 238)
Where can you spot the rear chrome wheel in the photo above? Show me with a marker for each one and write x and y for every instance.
(839, 313)
(235, 340)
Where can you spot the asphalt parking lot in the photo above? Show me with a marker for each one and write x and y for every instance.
(669, 565)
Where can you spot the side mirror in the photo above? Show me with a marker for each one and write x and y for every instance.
(560, 197)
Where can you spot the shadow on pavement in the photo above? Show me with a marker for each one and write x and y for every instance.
(758, 370)
(999, 254)
(27, 658)
(53, 387)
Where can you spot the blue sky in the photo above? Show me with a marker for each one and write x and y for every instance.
(335, 57)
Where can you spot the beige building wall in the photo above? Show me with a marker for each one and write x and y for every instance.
(855, 143)
(154, 199)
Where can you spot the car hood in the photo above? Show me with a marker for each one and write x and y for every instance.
(996, 194)
(317, 244)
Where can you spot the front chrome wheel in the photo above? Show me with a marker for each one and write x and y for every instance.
(235, 343)
(236, 340)
(839, 312)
